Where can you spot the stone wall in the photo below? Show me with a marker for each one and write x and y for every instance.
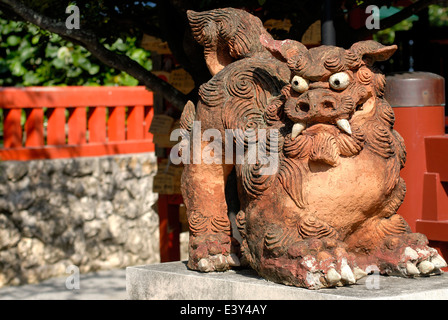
(94, 213)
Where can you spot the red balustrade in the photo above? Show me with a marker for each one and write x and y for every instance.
(63, 122)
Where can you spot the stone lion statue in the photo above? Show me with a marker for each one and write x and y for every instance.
(318, 197)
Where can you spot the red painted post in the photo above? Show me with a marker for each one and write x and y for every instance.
(34, 127)
(12, 129)
(135, 123)
(77, 122)
(164, 241)
(96, 124)
(174, 225)
(116, 124)
(149, 114)
(56, 126)
(169, 228)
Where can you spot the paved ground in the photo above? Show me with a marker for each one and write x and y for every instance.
(102, 285)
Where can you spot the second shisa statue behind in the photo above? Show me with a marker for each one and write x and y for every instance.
(318, 207)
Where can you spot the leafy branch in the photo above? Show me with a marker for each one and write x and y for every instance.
(90, 41)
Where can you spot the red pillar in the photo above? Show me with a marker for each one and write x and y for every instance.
(169, 227)
(418, 100)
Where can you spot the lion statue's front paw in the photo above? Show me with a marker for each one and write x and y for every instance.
(314, 264)
(408, 255)
(213, 252)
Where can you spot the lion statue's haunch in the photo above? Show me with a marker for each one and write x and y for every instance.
(324, 214)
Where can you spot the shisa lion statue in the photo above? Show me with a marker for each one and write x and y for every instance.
(324, 214)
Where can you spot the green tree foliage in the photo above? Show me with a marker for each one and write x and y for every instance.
(30, 56)
(438, 16)
(387, 36)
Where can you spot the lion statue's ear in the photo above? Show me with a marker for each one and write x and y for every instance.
(282, 49)
(371, 51)
(294, 53)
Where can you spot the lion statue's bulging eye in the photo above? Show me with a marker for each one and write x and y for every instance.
(339, 81)
(299, 84)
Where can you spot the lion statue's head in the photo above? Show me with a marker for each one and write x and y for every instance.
(334, 99)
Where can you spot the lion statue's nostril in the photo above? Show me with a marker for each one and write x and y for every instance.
(329, 105)
(303, 106)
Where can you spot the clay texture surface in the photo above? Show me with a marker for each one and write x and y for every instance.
(318, 208)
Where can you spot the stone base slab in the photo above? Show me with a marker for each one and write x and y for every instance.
(172, 280)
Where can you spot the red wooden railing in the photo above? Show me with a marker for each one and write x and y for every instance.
(64, 122)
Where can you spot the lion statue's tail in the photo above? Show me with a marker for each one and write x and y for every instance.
(227, 35)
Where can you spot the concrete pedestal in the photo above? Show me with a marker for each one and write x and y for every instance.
(173, 280)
